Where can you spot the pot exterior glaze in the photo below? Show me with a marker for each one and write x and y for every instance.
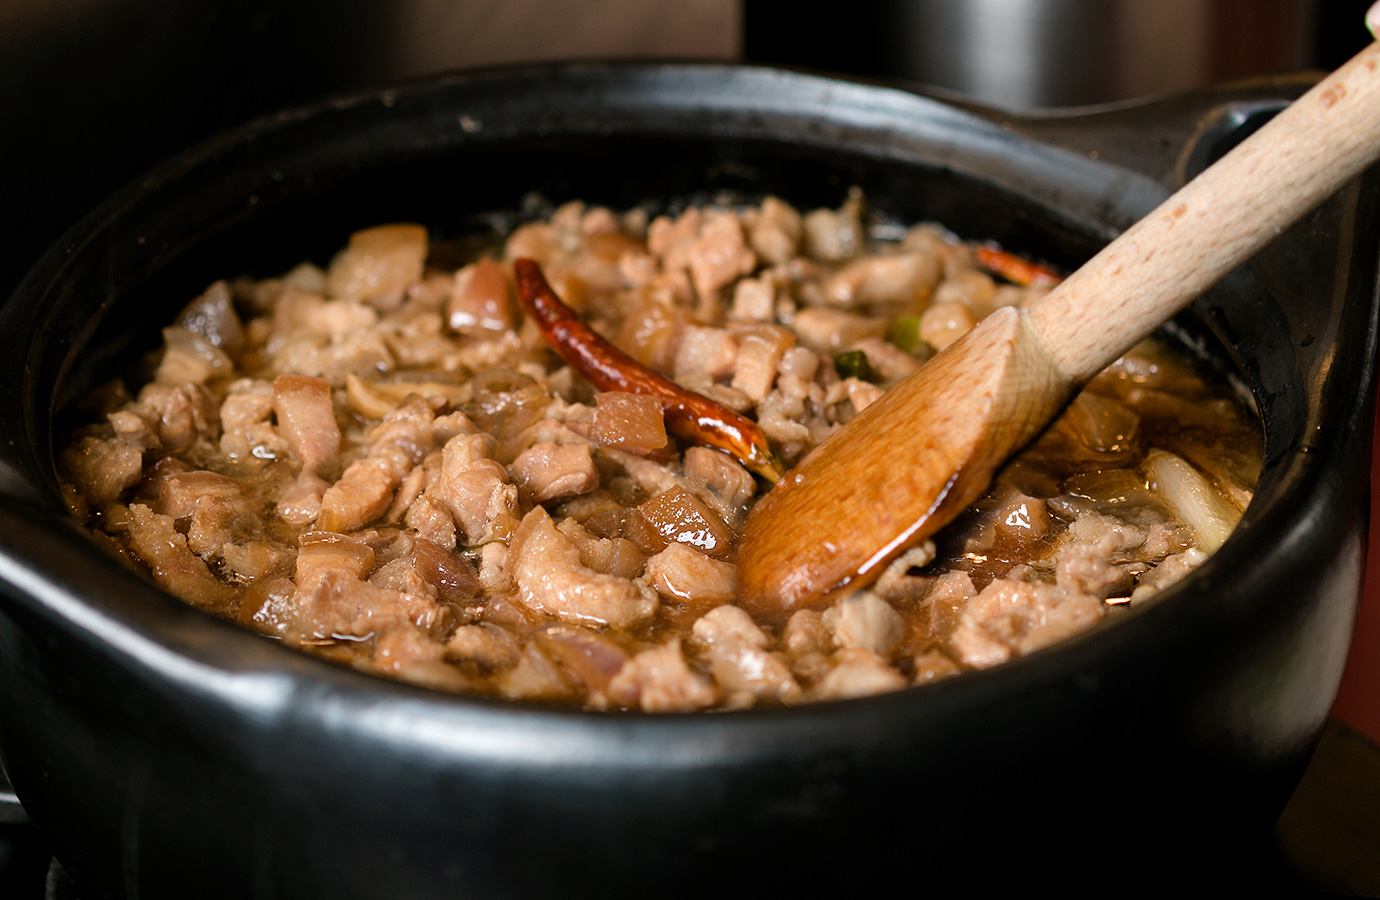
(163, 753)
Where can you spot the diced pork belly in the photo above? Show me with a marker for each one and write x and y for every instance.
(719, 254)
(378, 264)
(1170, 571)
(833, 236)
(722, 474)
(181, 413)
(833, 329)
(475, 488)
(737, 652)
(866, 621)
(332, 600)
(660, 680)
(1010, 617)
(190, 358)
(761, 349)
(854, 672)
(484, 644)
(156, 540)
(366, 489)
(549, 471)
(363, 494)
(247, 432)
(302, 313)
(550, 577)
(306, 420)
(611, 555)
(218, 509)
(905, 279)
(890, 362)
(535, 676)
(775, 231)
(102, 468)
(213, 316)
(711, 352)
(754, 300)
(683, 573)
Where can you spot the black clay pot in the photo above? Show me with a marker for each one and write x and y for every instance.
(165, 754)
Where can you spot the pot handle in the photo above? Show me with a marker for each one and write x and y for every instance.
(1169, 139)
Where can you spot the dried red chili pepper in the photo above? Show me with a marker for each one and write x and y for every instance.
(690, 416)
(1015, 269)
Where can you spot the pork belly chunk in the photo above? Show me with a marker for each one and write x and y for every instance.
(546, 565)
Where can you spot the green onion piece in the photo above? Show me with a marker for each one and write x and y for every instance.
(905, 334)
(853, 364)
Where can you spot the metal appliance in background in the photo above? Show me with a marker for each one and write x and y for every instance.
(1027, 54)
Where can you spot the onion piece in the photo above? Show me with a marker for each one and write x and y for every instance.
(1192, 498)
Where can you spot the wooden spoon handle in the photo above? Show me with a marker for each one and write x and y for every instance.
(1214, 223)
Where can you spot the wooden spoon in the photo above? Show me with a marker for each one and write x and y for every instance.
(917, 457)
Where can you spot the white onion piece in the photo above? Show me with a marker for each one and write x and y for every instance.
(1192, 498)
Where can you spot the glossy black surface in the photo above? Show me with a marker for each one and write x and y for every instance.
(131, 724)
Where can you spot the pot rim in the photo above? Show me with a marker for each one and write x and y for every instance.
(207, 654)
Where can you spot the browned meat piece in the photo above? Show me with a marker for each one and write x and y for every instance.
(866, 621)
(213, 315)
(365, 491)
(247, 432)
(402, 645)
(474, 488)
(711, 352)
(155, 540)
(1011, 617)
(762, 348)
(904, 279)
(855, 672)
(943, 323)
(190, 358)
(890, 362)
(831, 330)
(333, 601)
(220, 513)
(612, 556)
(102, 468)
(550, 577)
(775, 231)
(719, 254)
(722, 474)
(535, 676)
(660, 680)
(431, 519)
(306, 420)
(683, 573)
(738, 655)
(379, 264)
(485, 645)
(181, 413)
(552, 471)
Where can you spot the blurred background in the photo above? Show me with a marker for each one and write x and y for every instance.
(93, 92)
